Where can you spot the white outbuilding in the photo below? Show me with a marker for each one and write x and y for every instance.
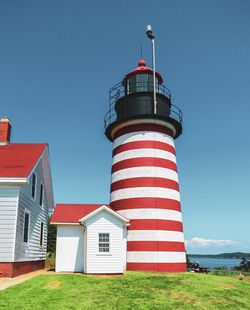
(90, 239)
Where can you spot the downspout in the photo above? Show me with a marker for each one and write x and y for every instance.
(126, 226)
(85, 247)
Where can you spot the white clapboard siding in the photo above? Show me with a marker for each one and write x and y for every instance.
(32, 250)
(70, 249)
(112, 262)
(8, 211)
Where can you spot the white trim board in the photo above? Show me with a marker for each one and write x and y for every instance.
(104, 208)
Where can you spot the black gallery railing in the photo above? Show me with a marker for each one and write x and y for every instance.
(119, 90)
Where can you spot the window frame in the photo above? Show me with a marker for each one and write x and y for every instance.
(33, 197)
(131, 85)
(142, 82)
(41, 195)
(28, 227)
(41, 240)
(105, 242)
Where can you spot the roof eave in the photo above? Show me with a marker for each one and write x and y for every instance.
(105, 208)
(13, 181)
(62, 223)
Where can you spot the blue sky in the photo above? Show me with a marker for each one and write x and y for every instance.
(59, 58)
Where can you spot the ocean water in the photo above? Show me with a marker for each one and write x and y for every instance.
(213, 263)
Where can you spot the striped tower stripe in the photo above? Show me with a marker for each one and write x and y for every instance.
(156, 257)
(155, 246)
(157, 267)
(145, 189)
(143, 144)
(144, 172)
(148, 182)
(156, 224)
(144, 161)
(143, 136)
(146, 202)
(155, 235)
(144, 153)
(139, 214)
(134, 192)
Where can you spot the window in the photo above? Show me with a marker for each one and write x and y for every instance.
(103, 242)
(142, 83)
(33, 185)
(131, 85)
(151, 83)
(41, 195)
(26, 227)
(41, 234)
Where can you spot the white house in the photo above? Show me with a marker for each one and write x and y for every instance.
(26, 197)
(90, 239)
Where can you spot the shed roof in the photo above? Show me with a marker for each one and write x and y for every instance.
(72, 213)
(18, 159)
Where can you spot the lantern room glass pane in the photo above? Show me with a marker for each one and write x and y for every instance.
(141, 83)
(131, 85)
(150, 83)
(157, 88)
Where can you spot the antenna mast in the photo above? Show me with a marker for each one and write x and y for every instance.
(152, 37)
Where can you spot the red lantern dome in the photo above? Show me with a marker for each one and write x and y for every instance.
(142, 69)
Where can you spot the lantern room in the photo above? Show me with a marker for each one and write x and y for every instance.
(141, 80)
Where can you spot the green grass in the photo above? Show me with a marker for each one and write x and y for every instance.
(134, 290)
(229, 273)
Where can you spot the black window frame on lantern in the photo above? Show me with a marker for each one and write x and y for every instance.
(141, 83)
(104, 242)
(131, 85)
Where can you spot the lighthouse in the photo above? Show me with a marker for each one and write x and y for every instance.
(142, 123)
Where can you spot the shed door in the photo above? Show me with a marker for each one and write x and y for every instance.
(70, 249)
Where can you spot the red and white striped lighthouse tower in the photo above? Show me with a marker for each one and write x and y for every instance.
(144, 182)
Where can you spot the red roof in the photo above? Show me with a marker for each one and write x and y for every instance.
(17, 160)
(72, 213)
(142, 69)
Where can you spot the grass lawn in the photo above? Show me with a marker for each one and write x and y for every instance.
(134, 290)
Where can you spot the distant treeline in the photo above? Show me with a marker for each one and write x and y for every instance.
(223, 255)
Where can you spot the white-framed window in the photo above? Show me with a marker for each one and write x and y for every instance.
(41, 234)
(33, 185)
(26, 227)
(41, 194)
(104, 244)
